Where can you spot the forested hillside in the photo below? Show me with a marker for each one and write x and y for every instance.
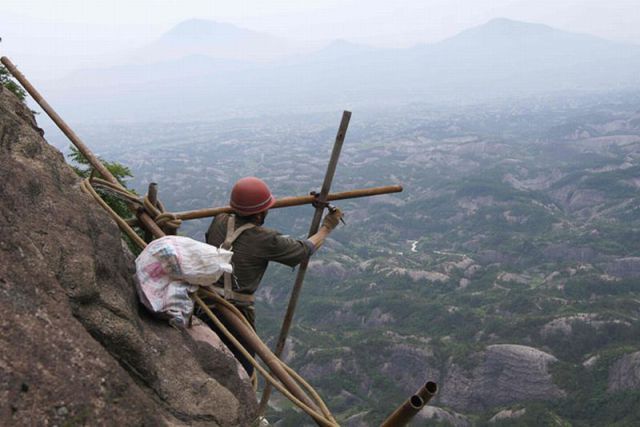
(508, 270)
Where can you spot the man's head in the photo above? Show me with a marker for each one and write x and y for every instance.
(251, 197)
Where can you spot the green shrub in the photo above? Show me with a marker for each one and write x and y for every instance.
(7, 81)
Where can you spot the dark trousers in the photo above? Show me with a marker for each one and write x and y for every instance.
(249, 314)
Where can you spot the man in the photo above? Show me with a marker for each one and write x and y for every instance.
(253, 247)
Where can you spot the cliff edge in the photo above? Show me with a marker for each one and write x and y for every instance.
(76, 347)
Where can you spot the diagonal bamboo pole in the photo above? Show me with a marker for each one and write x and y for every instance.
(302, 270)
(75, 140)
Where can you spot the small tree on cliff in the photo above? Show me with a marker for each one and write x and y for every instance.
(7, 81)
(83, 168)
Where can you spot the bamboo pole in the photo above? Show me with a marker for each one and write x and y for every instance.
(293, 201)
(152, 195)
(266, 355)
(313, 229)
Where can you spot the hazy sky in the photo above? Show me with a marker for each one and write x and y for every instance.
(50, 37)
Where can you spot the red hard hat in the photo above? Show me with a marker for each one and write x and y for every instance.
(250, 195)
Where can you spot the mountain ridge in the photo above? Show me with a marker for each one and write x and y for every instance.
(477, 64)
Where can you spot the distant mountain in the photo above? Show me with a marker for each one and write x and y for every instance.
(215, 67)
(501, 28)
(511, 58)
(340, 48)
(215, 39)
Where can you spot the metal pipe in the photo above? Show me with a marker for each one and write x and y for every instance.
(266, 355)
(405, 412)
(313, 229)
(294, 201)
(146, 220)
(427, 391)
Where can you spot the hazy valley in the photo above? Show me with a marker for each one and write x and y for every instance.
(507, 271)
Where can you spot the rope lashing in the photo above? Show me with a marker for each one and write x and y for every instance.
(316, 397)
(157, 212)
(323, 419)
(86, 186)
(163, 219)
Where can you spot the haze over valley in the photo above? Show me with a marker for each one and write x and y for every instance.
(202, 70)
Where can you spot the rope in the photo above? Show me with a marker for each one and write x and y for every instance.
(325, 418)
(85, 185)
(157, 212)
(316, 397)
(325, 421)
(117, 190)
(159, 216)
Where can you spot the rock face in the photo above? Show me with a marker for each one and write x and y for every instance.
(433, 414)
(508, 414)
(76, 347)
(624, 374)
(506, 374)
(627, 268)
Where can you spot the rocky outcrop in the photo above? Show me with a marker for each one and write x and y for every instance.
(624, 374)
(505, 374)
(565, 325)
(432, 414)
(409, 366)
(507, 414)
(627, 268)
(490, 256)
(567, 253)
(338, 360)
(76, 347)
(418, 275)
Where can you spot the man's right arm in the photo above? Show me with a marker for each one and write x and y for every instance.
(329, 223)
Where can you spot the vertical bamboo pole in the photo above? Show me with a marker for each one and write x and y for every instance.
(152, 195)
(302, 270)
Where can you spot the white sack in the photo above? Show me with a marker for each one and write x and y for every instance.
(171, 267)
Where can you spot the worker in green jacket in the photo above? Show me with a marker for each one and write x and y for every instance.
(253, 247)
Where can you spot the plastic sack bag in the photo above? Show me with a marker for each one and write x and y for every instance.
(172, 267)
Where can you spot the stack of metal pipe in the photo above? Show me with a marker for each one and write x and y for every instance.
(411, 406)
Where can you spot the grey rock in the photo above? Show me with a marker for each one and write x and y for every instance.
(627, 268)
(508, 414)
(624, 374)
(432, 414)
(505, 374)
(491, 256)
(410, 366)
(565, 325)
(564, 252)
